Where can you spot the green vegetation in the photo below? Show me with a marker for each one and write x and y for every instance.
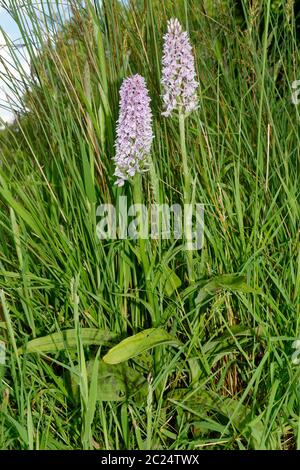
(156, 363)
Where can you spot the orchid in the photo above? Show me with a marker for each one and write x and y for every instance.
(178, 72)
(134, 129)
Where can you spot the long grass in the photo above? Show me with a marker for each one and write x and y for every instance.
(231, 384)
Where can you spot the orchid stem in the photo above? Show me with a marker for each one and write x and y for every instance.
(186, 197)
(143, 248)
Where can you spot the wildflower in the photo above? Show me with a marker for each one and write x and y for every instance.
(134, 129)
(178, 74)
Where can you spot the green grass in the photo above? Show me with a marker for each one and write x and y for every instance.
(226, 380)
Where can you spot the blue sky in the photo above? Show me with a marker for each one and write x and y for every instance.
(11, 29)
(8, 24)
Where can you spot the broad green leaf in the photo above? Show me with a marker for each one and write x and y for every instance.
(135, 345)
(239, 415)
(67, 339)
(118, 382)
(169, 279)
(230, 282)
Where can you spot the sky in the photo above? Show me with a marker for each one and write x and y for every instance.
(11, 29)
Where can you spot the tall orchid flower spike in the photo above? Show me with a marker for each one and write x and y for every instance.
(134, 129)
(180, 94)
(178, 71)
